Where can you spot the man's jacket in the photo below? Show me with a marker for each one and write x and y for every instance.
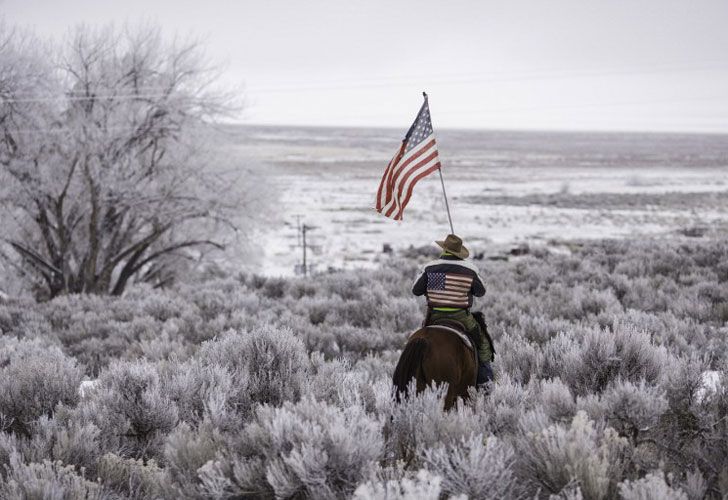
(449, 283)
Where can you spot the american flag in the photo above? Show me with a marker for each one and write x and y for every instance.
(448, 289)
(416, 158)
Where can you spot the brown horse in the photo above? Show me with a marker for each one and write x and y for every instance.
(436, 354)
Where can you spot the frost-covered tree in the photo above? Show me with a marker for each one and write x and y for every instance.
(106, 170)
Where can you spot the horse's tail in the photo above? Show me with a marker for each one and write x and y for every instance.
(409, 365)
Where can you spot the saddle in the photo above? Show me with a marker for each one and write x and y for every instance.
(458, 328)
(473, 341)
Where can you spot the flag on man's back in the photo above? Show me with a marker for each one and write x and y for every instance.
(416, 158)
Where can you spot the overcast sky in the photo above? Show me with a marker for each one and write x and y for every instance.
(557, 64)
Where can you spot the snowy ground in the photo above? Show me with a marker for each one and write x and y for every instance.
(505, 189)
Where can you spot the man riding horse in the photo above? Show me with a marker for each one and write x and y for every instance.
(449, 283)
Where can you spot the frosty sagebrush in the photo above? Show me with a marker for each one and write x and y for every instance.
(587, 404)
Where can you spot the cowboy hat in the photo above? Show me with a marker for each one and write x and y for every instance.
(454, 245)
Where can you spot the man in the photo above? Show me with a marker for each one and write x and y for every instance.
(449, 284)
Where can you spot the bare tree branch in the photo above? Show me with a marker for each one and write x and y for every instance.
(120, 188)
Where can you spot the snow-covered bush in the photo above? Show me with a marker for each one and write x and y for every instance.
(552, 458)
(633, 409)
(131, 409)
(186, 451)
(270, 363)
(62, 439)
(604, 355)
(478, 467)
(423, 486)
(46, 480)
(419, 423)
(259, 386)
(650, 487)
(34, 379)
(309, 448)
(557, 400)
(131, 478)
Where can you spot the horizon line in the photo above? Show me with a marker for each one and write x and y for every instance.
(491, 129)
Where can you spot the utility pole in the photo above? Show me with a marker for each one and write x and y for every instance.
(298, 229)
(305, 228)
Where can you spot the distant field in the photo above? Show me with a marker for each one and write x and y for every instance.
(505, 188)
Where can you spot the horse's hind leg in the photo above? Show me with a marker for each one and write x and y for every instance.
(454, 392)
(451, 397)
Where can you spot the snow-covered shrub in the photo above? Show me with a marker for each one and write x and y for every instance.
(337, 383)
(521, 359)
(62, 439)
(695, 485)
(359, 341)
(186, 451)
(576, 302)
(557, 455)
(309, 448)
(650, 487)
(131, 478)
(131, 409)
(611, 330)
(271, 363)
(504, 406)
(538, 328)
(605, 355)
(710, 450)
(34, 378)
(348, 286)
(478, 467)
(419, 423)
(557, 400)
(8, 447)
(46, 480)
(423, 486)
(571, 491)
(633, 409)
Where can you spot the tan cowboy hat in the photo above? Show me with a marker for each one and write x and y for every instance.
(454, 245)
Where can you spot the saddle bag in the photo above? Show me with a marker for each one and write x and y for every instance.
(480, 319)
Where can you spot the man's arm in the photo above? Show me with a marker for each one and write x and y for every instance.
(478, 286)
(420, 286)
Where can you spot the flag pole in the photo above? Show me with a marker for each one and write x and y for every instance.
(442, 183)
(447, 206)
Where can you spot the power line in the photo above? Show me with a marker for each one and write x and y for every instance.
(104, 129)
(129, 97)
(491, 77)
(484, 78)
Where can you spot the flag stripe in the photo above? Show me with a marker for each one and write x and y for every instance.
(456, 289)
(451, 295)
(412, 155)
(416, 158)
(382, 191)
(396, 159)
(459, 277)
(411, 186)
(398, 172)
(403, 181)
(382, 184)
(400, 162)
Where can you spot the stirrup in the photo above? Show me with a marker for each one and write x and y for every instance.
(485, 375)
